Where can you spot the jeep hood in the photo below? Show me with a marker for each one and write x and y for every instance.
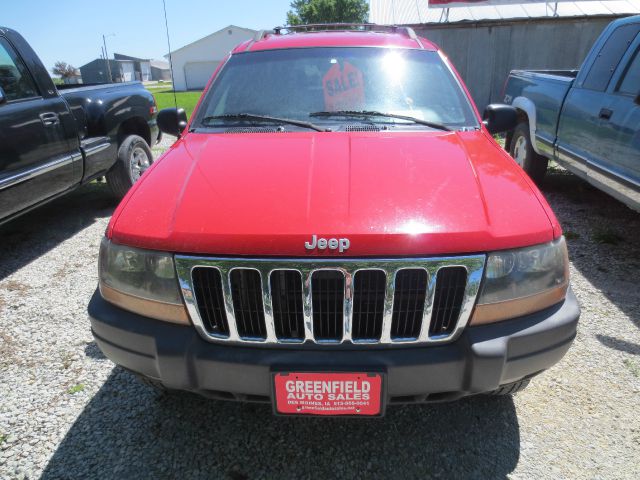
(388, 193)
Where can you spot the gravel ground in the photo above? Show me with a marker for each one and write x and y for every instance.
(67, 412)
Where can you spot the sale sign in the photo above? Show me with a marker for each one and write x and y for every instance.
(343, 87)
(328, 393)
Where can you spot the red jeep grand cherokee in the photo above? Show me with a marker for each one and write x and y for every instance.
(335, 231)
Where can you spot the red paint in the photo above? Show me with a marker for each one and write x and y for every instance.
(419, 193)
(334, 39)
(390, 193)
(328, 393)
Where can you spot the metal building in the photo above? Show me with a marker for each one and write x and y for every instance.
(486, 42)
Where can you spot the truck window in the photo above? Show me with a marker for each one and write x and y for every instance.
(15, 79)
(630, 83)
(609, 56)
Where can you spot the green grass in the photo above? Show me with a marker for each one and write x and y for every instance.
(608, 237)
(633, 368)
(569, 235)
(3, 438)
(76, 389)
(164, 98)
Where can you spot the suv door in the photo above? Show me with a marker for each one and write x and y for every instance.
(35, 155)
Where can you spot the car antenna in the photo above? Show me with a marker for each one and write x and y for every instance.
(166, 26)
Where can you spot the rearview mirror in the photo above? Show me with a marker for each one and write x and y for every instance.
(500, 118)
(172, 121)
(3, 97)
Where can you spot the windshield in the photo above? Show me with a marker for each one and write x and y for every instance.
(296, 83)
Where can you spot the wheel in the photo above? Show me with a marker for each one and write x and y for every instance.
(511, 388)
(523, 153)
(134, 157)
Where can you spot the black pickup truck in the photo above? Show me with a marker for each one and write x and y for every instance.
(53, 141)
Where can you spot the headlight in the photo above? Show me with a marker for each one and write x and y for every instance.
(141, 281)
(522, 281)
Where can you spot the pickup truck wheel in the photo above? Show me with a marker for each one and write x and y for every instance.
(134, 157)
(523, 153)
(511, 388)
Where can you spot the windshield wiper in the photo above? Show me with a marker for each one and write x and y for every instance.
(266, 118)
(369, 113)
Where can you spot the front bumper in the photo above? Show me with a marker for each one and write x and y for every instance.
(482, 359)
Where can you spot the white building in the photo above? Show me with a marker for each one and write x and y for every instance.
(194, 64)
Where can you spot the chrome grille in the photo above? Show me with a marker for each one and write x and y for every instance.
(422, 300)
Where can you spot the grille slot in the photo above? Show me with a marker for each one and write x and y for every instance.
(368, 304)
(327, 287)
(408, 303)
(329, 300)
(447, 302)
(286, 297)
(208, 293)
(254, 130)
(246, 291)
(361, 128)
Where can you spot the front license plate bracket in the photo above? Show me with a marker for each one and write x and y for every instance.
(328, 393)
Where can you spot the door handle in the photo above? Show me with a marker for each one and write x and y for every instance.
(606, 113)
(49, 118)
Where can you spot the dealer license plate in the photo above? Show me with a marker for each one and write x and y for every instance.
(328, 393)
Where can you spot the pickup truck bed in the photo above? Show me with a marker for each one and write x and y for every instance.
(546, 88)
(52, 142)
(587, 120)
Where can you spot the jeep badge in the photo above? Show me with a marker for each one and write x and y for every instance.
(340, 244)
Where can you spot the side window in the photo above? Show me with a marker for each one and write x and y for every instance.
(630, 84)
(15, 79)
(609, 57)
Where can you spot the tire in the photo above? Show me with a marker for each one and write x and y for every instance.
(511, 388)
(134, 157)
(521, 149)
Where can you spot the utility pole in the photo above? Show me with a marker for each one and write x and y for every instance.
(106, 56)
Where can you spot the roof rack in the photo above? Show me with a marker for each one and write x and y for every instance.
(330, 27)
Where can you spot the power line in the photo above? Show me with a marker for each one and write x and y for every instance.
(166, 26)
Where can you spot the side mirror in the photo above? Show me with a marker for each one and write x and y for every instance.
(500, 118)
(637, 100)
(3, 97)
(172, 121)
